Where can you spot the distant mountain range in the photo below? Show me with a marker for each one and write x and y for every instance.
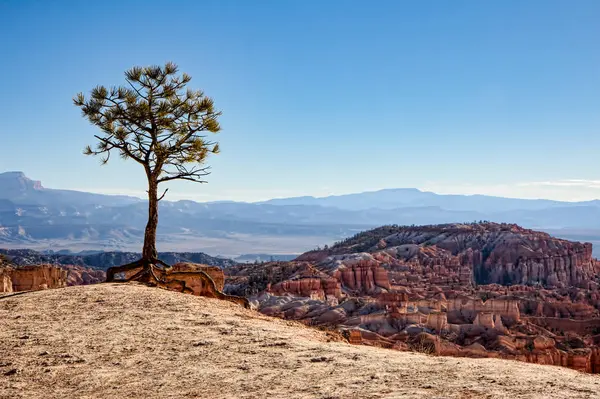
(392, 199)
(17, 188)
(104, 260)
(36, 217)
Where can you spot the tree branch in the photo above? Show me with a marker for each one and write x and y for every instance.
(123, 147)
(163, 194)
(136, 90)
(182, 173)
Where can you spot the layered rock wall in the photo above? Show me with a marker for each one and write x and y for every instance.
(581, 327)
(5, 280)
(35, 277)
(568, 265)
(470, 307)
(315, 288)
(363, 277)
(79, 275)
(359, 273)
(497, 253)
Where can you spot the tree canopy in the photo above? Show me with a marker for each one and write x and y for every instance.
(155, 121)
(159, 123)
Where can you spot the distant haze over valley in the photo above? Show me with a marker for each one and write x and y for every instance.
(32, 216)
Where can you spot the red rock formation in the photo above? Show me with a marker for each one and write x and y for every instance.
(355, 337)
(79, 275)
(424, 288)
(580, 327)
(310, 287)
(363, 277)
(437, 321)
(5, 280)
(32, 278)
(595, 360)
(360, 273)
(507, 254)
(215, 272)
(468, 308)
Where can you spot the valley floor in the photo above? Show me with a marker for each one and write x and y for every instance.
(131, 341)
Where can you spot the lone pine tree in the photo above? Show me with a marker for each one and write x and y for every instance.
(156, 121)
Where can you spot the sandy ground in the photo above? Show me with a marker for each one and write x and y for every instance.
(131, 341)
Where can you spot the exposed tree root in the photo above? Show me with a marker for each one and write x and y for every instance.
(110, 273)
(10, 295)
(148, 272)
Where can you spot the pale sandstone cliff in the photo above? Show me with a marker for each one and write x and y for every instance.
(32, 278)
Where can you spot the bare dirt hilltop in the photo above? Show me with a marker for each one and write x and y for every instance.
(131, 341)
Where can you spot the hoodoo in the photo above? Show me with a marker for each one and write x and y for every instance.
(482, 289)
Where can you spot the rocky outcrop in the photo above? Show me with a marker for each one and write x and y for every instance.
(495, 253)
(549, 262)
(310, 287)
(188, 278)
(508, 254)
(595, 360)
(214, 272)
(38, 277)
(468, 308)
(79, 275)
(5, 280)
(580, 327)
(32, 278)
(437, 321)
(358, 273)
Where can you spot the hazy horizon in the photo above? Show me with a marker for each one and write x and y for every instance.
(181, 197)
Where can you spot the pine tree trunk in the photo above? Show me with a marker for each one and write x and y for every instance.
(149, 253)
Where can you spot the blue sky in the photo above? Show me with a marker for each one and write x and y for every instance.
(322, 97)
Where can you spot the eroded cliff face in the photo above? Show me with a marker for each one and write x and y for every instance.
(359, 273)
(310, 287)
(502, 254)
(32, 278)
(79, 275)
(549, 262)
(424, 288)
(38, 277)
(5, 280)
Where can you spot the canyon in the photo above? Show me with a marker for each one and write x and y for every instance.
(466, 290)
(479, 290)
